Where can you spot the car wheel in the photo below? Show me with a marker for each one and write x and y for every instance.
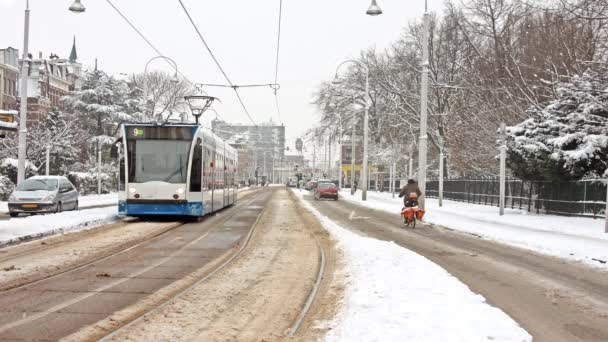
(76, 206)
(59, 209)
(13, 214)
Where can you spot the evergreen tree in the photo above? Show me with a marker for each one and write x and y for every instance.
(568, 138)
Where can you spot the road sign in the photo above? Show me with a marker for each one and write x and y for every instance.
(8, 121)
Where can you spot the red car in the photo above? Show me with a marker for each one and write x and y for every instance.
(326, 190)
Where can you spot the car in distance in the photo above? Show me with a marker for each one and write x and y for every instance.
(43, 194)
(292, 183)
(311, 185)
(326, 190)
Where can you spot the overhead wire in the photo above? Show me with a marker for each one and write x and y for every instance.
(276, 69)
(152, 46)
(217, 63)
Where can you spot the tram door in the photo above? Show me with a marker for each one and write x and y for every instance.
(207, 178)
(195, 193)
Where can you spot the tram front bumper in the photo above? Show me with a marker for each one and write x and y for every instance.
(133, 207)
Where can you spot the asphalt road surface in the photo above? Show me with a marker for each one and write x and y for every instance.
(553, 299)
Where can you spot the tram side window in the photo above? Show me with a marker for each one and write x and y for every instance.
(197, 163)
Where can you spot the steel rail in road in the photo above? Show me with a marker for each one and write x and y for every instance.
(315, 289)
(79, 266)
(223, 219)
(186, 290)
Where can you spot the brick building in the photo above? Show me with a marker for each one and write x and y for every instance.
(49, 79)
(9, 74)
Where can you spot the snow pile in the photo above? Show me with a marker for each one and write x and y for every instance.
(575, 238)
(98, 200)
(32, 227)
(394, 294)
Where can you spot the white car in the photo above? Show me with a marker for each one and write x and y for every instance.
(43, 194)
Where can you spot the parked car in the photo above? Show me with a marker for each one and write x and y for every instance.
(326, 190)
(43, 194)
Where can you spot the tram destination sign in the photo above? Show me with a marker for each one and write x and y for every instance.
(159, 133)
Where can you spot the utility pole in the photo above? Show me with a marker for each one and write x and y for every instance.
(48, 152)
(364, 184)
(22, 149)
(423, 107)
(411, 162)
(441, 157)
(606, 211)
(98, 166)
(503, 167)
(353, 160)
(340, 157)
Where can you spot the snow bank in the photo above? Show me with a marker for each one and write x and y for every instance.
(37, 226)
(394, 294)
(575, 238)
(95, 200)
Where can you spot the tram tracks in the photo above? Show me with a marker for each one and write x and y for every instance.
(15, 328)
(27, 250)
(267, 290)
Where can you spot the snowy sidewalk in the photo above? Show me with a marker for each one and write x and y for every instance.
(86, 201)
(393, 294)
(575, 238)
(37, 226)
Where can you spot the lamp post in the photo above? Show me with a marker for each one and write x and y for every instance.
(76, 7)
(422, 146)
(365, 128)
(174, 80)
(424, 80)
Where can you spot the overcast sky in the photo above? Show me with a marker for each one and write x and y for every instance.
(316, 36)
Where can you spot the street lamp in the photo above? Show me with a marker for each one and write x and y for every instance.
(76, 7)
(173, 80)
(199, 104)
(374, 9)
(365, 130)
(424, 85)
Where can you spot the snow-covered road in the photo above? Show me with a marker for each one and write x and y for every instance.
(574, 238)
(394, 294)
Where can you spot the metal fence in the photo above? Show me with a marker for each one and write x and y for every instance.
(577, 198)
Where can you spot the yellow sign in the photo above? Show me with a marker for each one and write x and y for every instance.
(347, 168)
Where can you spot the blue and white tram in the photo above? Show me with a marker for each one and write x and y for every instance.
(174, 169)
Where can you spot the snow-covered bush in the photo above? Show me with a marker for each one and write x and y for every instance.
(8, 169)
(6, 188)
(568, 138)
(86, 182)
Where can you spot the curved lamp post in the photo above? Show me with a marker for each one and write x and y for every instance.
(174, 80)
(365, 131)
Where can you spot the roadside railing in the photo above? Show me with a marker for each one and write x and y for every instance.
(577, 198)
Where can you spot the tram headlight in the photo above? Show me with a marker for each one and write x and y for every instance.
(132, 190)
(179, 191)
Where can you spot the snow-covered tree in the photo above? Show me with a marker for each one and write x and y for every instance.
(100, 101)
(568, 138)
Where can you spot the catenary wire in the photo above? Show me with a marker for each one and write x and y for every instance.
(152, 45)
(216, 61)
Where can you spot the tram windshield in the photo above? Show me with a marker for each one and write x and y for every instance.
(158, 160)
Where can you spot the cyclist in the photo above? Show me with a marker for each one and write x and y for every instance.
(410, 194)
